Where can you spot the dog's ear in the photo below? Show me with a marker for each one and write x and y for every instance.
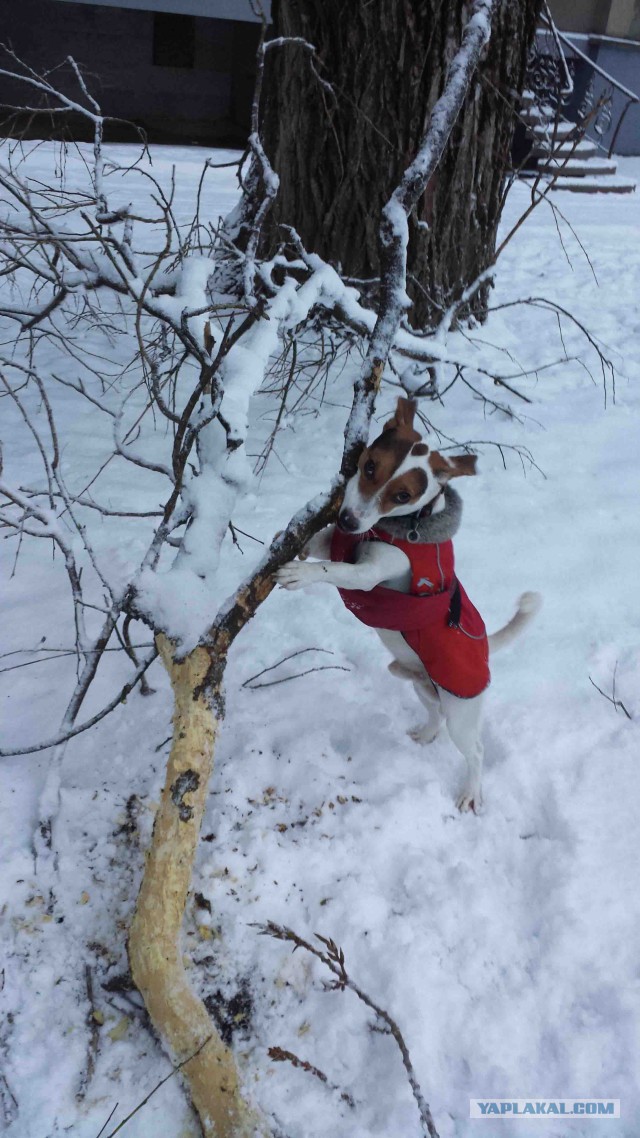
(456, 466)
(403, 416)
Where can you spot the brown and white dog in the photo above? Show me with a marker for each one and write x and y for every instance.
(400, 477)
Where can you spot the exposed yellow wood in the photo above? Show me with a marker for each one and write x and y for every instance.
(177, 1013)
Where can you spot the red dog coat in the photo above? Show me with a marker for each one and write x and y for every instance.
(436, 617)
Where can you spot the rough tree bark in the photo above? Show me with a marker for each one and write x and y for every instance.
(339, 158)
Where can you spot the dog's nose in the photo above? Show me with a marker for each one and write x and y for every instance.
(347, 521)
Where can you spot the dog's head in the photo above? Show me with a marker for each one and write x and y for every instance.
(397, 474)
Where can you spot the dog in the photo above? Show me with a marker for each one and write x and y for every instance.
(391, 558)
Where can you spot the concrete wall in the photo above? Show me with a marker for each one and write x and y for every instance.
(616, 18)
(206, 103)
(581, 15)
(624, 19)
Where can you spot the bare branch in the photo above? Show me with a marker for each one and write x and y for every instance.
(279, 1055)
(333, 959)
(616, 703)
(291, 656)
(66, 736)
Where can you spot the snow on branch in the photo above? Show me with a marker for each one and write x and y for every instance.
(394, 224)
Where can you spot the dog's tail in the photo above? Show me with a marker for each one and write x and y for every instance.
(528, 605)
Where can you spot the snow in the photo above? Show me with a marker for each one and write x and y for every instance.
(505, 946)
(190, 295)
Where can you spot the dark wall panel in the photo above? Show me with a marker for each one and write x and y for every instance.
(204, 99)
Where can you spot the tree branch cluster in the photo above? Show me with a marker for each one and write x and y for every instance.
(166, 332)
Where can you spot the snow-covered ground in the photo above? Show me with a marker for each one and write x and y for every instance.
(504, 945)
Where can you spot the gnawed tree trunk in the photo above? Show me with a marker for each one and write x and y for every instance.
(338, 159)
(177, 1013)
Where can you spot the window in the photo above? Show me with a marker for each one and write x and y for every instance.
(174, 40)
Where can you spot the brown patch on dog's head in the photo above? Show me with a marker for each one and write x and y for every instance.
(404, 490)
(379, 461)
(456, 466)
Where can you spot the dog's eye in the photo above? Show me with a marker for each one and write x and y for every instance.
(401, 496)
(369, 469)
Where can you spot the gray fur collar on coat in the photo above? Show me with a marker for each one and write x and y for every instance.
(430, 529)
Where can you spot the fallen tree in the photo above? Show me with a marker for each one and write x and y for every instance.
(195, 356)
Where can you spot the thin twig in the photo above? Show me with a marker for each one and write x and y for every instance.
(279, 1055)
(617, 703)
(144, 1102)
(56, 654)
(300, 652)
(94, 1038)
(296, 675)
(65, 736)
(333, 959)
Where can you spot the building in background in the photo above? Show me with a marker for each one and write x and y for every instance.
(184, 69)
(608, 33)
(181, 69)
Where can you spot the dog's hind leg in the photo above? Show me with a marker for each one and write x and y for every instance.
(408, 666)
(429, 697)
(464, 719)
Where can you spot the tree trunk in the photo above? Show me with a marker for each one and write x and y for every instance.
(339, 158)
(178, 1014)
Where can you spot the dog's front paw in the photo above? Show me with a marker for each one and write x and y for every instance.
(295, 574)
(470, 799)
